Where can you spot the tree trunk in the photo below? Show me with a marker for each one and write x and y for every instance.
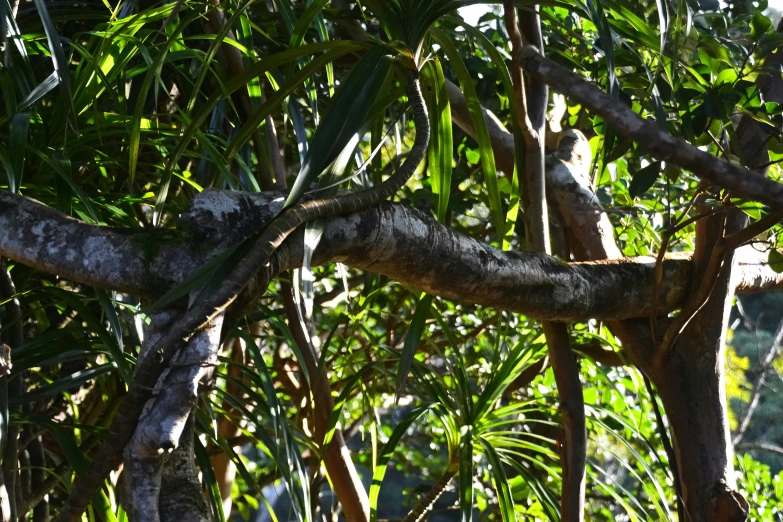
(691, 384)
(182, 498)
(531, 97)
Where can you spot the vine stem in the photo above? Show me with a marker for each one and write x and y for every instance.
(426, 502)
(149, 369)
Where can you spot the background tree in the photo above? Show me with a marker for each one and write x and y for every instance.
(481, 326)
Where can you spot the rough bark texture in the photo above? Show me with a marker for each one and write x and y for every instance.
(155, 451)
(142, 473)
(589, 231)
(161, 427)
(691, 384)
(390, 239)
(183, 498)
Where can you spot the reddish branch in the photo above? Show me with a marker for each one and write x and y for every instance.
(697, 300)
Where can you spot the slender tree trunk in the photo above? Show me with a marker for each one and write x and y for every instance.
(222, 465)
(532, 97)
(336, 455)
(14, 337)
(691, 384)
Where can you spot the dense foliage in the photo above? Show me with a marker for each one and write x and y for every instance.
(118, 114)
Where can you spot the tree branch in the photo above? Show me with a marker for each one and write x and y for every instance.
(661, 145)
(390, 239)
(695, 302)
(760, 446)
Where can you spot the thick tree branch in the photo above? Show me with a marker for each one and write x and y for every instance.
(718, 171)
(391, 239)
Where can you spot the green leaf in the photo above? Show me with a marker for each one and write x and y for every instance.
(500, 481)
(312, 11)
(346, 118)
(58, 56)
(644, 178)
(596, 13)
(386, 455)
(286, 452)
(776, 260)
(760, 24)
(510, 368)
(209, 481)
(412, 339)
(96, 327)
(58, 162)
(482, 134)
(74, 380)
(519, 145)
(466, 474)
(285, 9)
(41, 90)
(109, 309)
(24, 75)
(344, 397)
(17, 149)
(64, 192)
(149, 78)
(214, 48)
(80, 465)
(334, 50)
(441, 147)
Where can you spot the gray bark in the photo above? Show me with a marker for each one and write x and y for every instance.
(184, 498)
(161, 450)
(390, 239)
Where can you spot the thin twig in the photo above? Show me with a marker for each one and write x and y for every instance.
(758, 384)
(760, 446)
